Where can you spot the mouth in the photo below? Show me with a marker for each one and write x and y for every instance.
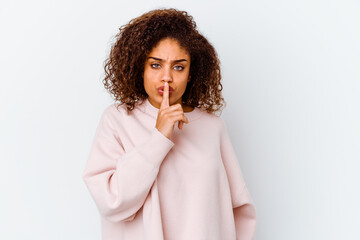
(161, 90)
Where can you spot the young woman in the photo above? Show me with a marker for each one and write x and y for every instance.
(162, 165)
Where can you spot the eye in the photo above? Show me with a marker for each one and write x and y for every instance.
(152, 65)
(181, 68)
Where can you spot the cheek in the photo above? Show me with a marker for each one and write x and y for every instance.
(149, 82)
(149, 75)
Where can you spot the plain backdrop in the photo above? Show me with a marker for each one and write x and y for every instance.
(291, 72)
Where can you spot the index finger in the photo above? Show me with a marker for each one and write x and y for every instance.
(165, 99)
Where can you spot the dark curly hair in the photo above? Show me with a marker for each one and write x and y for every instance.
(125, 65)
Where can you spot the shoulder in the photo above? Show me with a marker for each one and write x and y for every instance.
(117, 109)
(118, 114)
(113, 112)
(114, 119)
(211, 120)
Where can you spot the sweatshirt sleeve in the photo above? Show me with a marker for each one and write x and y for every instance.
(243, 206)
(120, 181)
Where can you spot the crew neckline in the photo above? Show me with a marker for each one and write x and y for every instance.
(153, 111)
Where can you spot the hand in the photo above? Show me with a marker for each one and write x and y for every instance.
(168, 115)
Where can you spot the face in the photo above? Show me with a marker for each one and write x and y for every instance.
(167, 62)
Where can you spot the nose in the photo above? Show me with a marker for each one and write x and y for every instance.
(166, 75)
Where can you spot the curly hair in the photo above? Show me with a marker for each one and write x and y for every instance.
(125, 65)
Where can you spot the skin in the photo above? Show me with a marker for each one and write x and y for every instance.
(176, 74)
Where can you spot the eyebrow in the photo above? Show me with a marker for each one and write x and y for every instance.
(159, 59)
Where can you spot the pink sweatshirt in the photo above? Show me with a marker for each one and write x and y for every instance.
(146, 186)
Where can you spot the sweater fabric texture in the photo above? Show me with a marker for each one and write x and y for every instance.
(149, 187)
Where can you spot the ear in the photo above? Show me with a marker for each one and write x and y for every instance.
(189, 78)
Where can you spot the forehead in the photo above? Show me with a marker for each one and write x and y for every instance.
(169, 49)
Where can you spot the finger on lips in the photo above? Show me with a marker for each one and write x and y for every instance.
(165, 102)
(165, 99)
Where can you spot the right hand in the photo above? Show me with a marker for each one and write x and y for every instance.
(169, 115)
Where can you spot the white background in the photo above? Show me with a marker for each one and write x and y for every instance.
(291, 72)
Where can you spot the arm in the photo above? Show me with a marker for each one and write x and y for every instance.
(120, 181)
(243, 206)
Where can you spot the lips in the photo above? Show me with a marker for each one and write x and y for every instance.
(162, 89)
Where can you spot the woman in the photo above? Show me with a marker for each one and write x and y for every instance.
(149, 179)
